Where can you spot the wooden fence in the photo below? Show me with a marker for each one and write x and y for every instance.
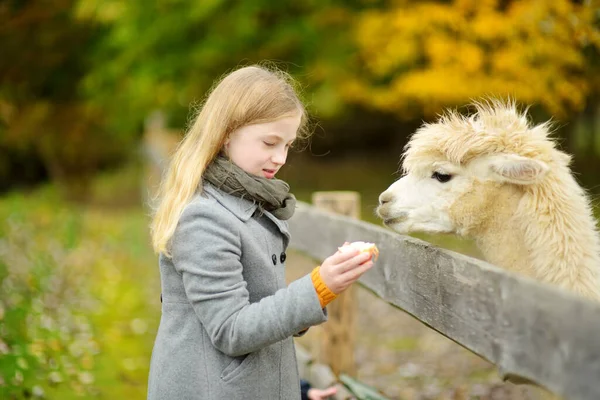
(531, 332)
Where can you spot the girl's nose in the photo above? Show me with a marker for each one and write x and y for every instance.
(279, 157)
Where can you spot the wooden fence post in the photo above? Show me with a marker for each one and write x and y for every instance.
(337, 342)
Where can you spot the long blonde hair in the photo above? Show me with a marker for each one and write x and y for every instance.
(249, 95)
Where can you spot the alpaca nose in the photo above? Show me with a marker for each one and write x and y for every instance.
(385, 197)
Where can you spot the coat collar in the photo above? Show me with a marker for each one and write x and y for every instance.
(243, 208)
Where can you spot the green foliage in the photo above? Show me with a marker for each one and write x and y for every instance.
(43, 114)
(166, 54)
(46, 336)
(80, 295)
(39, 42)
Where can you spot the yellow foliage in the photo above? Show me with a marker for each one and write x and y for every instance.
(422, 57)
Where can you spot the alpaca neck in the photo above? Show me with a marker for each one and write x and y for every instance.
(548, 233)
(500, 238)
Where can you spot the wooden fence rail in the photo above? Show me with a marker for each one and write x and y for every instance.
(528, 330)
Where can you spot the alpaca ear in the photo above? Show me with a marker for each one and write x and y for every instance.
(518, 170)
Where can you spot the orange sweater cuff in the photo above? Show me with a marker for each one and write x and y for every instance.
(326, 296)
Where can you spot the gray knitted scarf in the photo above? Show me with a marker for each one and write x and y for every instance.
(272, 195)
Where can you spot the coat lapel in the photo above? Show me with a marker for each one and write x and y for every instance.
(241, 208)
(281, 225)
(244, 209)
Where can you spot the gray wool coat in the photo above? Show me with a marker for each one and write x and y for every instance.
(227, 316)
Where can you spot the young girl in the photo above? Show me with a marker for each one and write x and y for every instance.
(227, 316)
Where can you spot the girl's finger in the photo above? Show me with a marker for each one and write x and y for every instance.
(343, 256)
(318, 394)
(369, 259)
(360, 258)
(355, 273)
(352, 263)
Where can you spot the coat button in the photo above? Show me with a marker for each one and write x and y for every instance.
(274, 258)
(282, 257)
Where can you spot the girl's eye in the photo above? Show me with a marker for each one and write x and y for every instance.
(269, 144)
(441, 177)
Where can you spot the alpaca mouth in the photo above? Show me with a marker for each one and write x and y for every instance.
(393, 221)
(388, 217)
(398, 218)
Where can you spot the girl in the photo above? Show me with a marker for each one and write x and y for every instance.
(227, 316)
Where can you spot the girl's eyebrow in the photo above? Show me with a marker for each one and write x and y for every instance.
(277, 137)
(273, 135)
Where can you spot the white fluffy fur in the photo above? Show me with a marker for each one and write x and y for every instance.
(511, 190)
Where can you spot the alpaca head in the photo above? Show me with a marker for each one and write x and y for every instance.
(458, 169)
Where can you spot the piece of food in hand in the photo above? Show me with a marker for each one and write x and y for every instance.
(363, 247)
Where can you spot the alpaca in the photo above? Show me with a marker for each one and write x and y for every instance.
(496, 178)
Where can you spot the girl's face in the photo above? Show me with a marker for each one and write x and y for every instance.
(261, 149)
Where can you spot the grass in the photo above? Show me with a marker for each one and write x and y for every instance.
(117, 293)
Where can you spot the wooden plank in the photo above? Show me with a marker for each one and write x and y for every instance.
(338, 336)
(339, 202)
(526, 329)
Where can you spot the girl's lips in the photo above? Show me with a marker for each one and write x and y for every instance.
(269, 173)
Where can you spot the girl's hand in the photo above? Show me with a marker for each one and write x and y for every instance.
(321, 394)
(342, 269)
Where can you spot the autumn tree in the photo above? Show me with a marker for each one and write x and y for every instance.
(78, 78)
(43, 114)
(415, 58)
(166, 54)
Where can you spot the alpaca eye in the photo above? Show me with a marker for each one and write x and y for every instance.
(441, 177)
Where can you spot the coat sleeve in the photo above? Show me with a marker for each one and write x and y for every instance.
(206, 251)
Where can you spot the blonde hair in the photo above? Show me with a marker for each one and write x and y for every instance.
(249, 95)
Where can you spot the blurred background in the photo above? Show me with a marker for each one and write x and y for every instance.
(95, 94)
